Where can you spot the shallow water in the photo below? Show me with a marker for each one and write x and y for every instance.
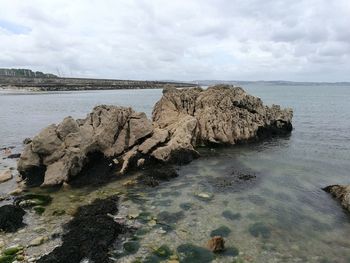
(294, 220)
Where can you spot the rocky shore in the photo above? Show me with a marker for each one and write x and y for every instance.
(112, 142)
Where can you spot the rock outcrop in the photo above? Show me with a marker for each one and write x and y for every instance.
(340, 192)
(182, 120)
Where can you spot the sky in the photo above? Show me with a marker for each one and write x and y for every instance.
(303, 40)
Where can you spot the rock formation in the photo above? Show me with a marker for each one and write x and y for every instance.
(340, 192)
(182, 120)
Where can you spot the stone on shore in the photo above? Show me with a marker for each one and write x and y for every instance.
(5, 176)
(341, 193)
(216, 244)
(182, 120)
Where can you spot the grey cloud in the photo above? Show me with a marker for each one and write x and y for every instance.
(208, 39)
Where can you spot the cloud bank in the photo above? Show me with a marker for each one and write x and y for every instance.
(305, 40)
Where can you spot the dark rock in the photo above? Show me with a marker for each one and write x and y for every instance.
(14, 156)
(223, 231)
(189, 253)
(231, 216)
(260, 229)
(153, 176)
(11, 218)
(131, 247)
(163, 252)
(170, 218)
(27, 141)
(90, 234)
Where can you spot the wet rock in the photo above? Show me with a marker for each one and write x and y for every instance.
(170, 218)
(31, 200)
(259, 229)
(153, 176)
(39, 209)
(223, 231)
(11, 218)
(131, 247)
(204, 196)
(13, 156)
(5, 176)
(189, 253)
(216, 244)
(231, 216)
(12, 250)
(186, 206)
(90, 234)
(163, 252)
(340, 192)
(27, 141)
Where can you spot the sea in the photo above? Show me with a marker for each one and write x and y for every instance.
(281, 214)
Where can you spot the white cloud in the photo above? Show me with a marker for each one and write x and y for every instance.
(155, 39)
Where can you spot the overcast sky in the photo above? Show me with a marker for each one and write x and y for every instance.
(300, 40)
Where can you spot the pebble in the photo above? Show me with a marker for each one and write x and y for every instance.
(2, 243)
(21, 231)
(31, 260)
(37, 241)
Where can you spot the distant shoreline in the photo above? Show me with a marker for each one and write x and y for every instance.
(76, 84)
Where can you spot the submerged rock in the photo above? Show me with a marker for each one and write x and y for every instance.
(260, 229)
(189, 253)
(216, 244)
(340, 192)
(89, 235)
(182, 120)
(11, 218)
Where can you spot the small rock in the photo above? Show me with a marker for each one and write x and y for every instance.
(17, 191)
(5, 176)
(216, 244)
(37, 241)
(27, 141)
(204, 196)
(2, 243)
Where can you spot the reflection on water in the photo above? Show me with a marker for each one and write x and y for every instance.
(265, 198)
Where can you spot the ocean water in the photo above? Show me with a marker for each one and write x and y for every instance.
(279, 215)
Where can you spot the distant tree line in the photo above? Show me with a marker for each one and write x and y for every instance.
(27, 73)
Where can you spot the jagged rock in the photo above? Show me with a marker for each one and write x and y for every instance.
(222, 114)
(5, 176)
(59, 152)
(182, 120)
(340, 192)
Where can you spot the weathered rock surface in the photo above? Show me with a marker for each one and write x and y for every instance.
(340, 192)
(182, 120)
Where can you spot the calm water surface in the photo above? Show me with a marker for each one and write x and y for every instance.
(281, 215)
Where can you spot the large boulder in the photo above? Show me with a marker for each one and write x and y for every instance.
(59, 152)
(182, 120)
(341, 193)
